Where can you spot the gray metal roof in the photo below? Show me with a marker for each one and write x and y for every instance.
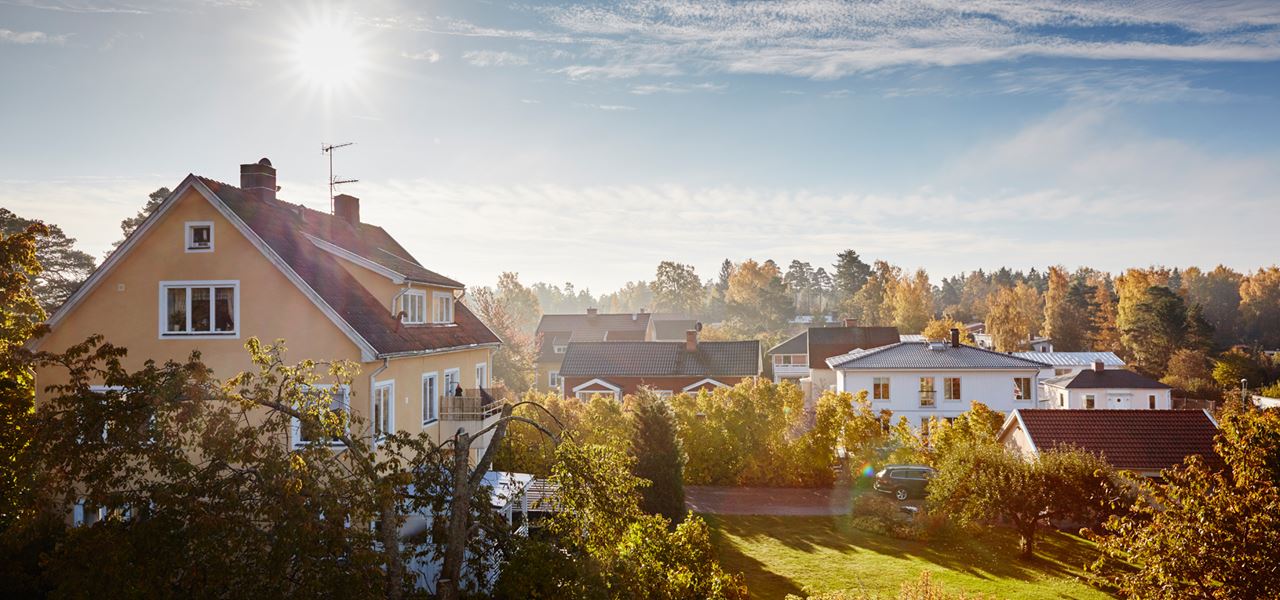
(1073, 359)
(798, 344)
(936, 355)
(1106, 379)
(670, 359)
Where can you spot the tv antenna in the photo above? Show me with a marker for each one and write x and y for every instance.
(328, 149)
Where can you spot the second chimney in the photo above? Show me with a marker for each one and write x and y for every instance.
(1098, 366)
(259, 179)
(850, 322)
(591, 312)
(955, 337)
(347, 208)
(691, 340)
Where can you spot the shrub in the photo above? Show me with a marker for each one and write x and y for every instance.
(923, 588)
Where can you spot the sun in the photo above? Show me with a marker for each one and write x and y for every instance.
(328, 53)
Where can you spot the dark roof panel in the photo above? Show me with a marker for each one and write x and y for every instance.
(1109, 379)
(661, 359)
(583, 327)
(282, 226)
(825, 342)
(798, 344)
(1137, 440)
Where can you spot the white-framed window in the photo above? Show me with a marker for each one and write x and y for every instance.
(950, 388)
(880, 388)
(430, 397)
(482, 375)
(587, 395)
(383, 410)
(1021, 388)
(84, 514)
(200, 309)
(1062, 400)
(928, 394)
(441, 307)
(339, 402)
(664, 393)
(553, 379)
(198, 236)
(1151, 401)
(413, 304)
(452, 380)
(1089, 400)
(560, 348)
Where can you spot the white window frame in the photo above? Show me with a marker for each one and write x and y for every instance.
(888, 389)
(295, 425)
(928, 392)
(163, 309)
(667, 394)
(419, 298)
(188, 239)
(79, 513)
(1030, 396)
(389, 389)
(457, 374)
(441, 307)
(1090, 401)
(946, 389)
(560, 348)
(553, 379)
(482, 375)
(433, 403)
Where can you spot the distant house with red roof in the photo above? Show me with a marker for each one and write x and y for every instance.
(1144, 441)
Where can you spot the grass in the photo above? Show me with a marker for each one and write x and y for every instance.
(807, 555)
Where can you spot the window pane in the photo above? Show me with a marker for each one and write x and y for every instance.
(177, 299)
(224, 309)
(200, 309)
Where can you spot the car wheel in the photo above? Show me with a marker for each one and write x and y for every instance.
(900, 494)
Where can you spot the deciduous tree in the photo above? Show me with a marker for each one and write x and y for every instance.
(1260, 306)
(62, 267)
(677, 288)
(912, 302)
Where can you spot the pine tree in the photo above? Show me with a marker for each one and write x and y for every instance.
(659, 457)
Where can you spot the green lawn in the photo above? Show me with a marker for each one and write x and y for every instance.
(799, 555)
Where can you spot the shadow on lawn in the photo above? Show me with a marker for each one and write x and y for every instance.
(989, 555)
(757, 573)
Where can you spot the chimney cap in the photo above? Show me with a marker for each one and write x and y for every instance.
(264, 161)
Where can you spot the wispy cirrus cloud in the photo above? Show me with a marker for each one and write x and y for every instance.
(830, 39)
(8, 36)
(494, 58)
(430, 56)
(668, 87)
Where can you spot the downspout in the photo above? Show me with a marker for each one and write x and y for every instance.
(396, 298)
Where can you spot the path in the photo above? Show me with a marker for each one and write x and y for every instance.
(769, 501)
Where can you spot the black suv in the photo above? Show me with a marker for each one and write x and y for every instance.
(904, 481)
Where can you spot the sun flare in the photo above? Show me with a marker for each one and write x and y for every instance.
(328, 54)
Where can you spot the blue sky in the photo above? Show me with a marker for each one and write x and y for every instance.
(588, 141)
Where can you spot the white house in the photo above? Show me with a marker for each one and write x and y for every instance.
(1102, 388)
(919, 380)
(1070, 363)
(802, 359)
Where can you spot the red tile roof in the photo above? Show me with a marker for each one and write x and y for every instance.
(282, 226)
(1137, 440)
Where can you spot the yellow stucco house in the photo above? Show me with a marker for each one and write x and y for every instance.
(216, 264)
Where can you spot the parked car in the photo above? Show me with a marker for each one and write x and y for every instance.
(904, 481)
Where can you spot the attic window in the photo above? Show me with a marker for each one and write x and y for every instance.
(199, 236)
(441, 307)
(413, 304)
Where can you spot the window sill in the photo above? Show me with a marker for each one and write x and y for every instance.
(201, 336)
(430, 422)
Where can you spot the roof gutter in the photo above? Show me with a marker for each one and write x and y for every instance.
(409, 353)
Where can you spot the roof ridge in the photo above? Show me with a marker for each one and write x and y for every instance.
(865, 353)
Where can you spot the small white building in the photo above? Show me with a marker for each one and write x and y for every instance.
(1102, 388)
(1070, 363)
(919, 380)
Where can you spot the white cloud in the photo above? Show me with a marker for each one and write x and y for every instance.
(607, 107)
(30, 37)
(430, 56)
(494, 58)
(668, 87)
(828, 39)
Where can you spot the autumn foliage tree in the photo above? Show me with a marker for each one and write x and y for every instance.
(1205, 531)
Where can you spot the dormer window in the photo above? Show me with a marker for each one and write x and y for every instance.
(199, 237)
(441, 307)
(413, 304)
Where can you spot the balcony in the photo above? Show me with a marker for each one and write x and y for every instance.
(473, 404)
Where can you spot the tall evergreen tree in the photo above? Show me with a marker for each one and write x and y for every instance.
(851, 273)
(659, 457)
(62, 267)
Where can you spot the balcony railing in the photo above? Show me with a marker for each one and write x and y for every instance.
(928, 397)
(473, 404)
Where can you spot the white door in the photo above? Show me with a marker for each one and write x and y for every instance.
(451, 379)
(482, 375)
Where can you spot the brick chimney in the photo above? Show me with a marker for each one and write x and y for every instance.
(259, 180)
(591, 312)
(347, 208)
(955, 337)
(1098, 366)
(850, 322)
(691, 340)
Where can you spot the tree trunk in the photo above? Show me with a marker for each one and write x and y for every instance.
(1027, 541)
(390, 536)
(459, 511)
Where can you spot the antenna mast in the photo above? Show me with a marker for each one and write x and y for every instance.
(328, 149)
